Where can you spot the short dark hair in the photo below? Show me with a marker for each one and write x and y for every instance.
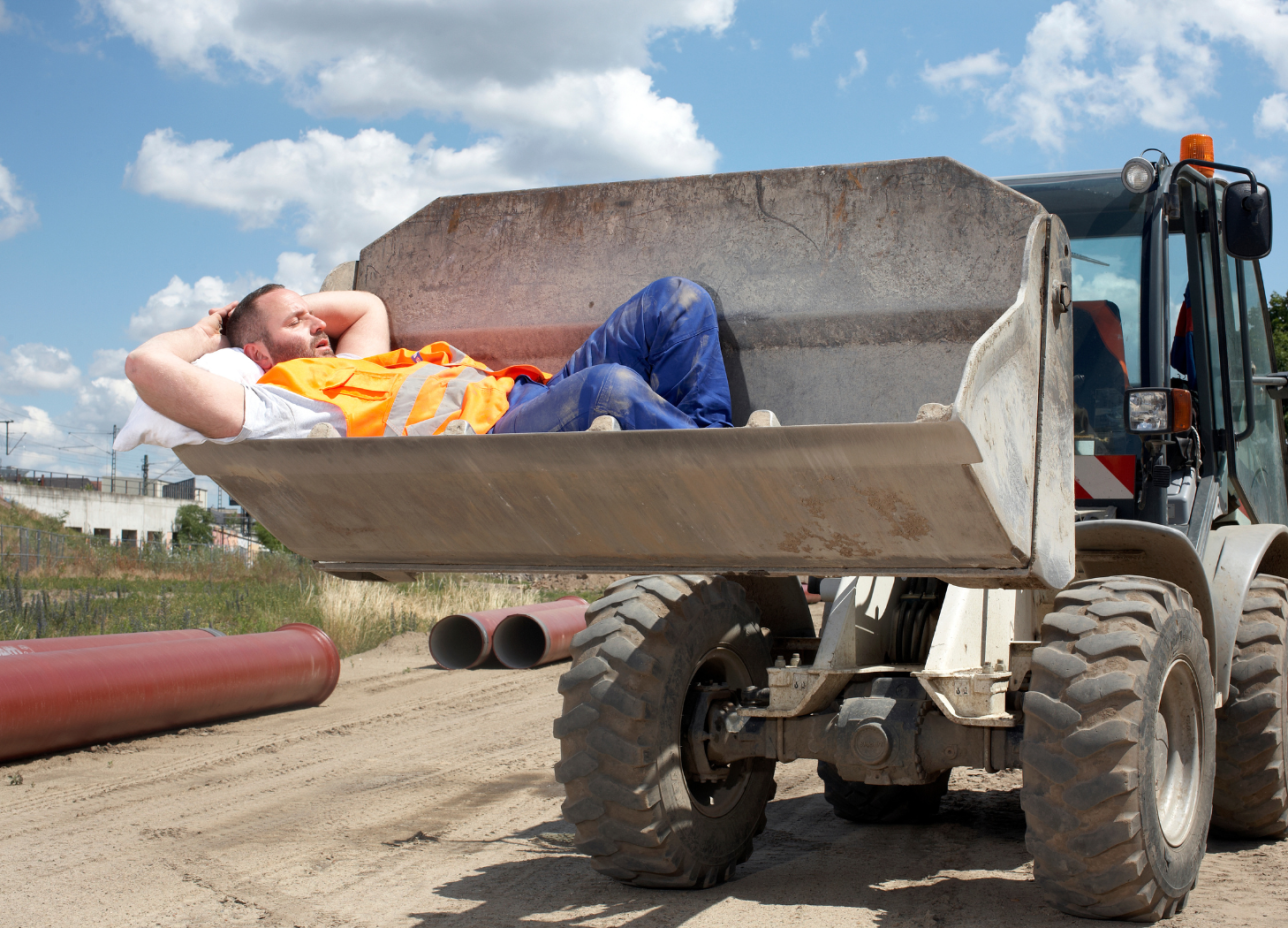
(243, 324)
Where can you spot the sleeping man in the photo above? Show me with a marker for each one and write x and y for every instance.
(321, 364)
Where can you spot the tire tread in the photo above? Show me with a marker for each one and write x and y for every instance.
(1251, 798)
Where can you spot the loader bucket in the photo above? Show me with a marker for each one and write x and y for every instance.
(895, 315)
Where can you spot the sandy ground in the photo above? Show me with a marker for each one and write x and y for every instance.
(418, 797)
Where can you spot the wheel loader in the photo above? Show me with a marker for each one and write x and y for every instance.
(1031, 449)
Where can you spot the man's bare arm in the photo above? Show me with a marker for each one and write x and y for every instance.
(162, 372)
(356, 321)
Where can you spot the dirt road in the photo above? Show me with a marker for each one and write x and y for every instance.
(417, 797)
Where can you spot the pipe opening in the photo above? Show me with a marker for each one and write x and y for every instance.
(520, 642)
(458, 641)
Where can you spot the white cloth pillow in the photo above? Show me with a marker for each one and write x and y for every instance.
(146, 426)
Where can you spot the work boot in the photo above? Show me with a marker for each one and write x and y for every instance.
(324, 430)
(605, 424)
(762, 419)
(459, 427)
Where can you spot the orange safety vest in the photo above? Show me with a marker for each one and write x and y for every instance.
(405, 393)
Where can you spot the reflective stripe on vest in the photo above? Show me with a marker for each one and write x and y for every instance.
(451, 403)
(405, 398)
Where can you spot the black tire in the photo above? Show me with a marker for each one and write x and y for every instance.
(1119, 750)
(639, 815)
(872, 804)
(1251, 799)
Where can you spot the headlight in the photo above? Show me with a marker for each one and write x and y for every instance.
(1138, 175)
(1157, 412)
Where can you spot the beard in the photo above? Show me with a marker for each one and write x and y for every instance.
(319, 347)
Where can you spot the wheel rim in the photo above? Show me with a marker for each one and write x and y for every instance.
(1178, 750)
(719, 667)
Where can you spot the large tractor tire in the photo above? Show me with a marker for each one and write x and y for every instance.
(1119, 750)
(870, 804)
(647, 810)
(1251, 798)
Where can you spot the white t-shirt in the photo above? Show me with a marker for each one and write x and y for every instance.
(271, 412)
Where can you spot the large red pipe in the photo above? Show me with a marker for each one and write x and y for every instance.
(463, 641)
(72, 642)
(533, 638)
(62, 699)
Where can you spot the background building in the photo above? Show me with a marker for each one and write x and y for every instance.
(124, 510)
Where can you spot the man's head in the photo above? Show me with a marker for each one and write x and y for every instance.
(273, 324)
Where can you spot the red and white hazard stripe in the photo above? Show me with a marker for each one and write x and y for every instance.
(1104, 476)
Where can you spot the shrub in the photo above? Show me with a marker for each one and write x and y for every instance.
(192, 525)
(268, 539)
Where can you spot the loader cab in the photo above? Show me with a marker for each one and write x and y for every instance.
(1158, 302)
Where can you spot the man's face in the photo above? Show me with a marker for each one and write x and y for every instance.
(292, 331)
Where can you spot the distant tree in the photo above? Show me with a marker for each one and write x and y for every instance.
(192, 525)
(268, 539)
(1279, 333)
(1279, 326)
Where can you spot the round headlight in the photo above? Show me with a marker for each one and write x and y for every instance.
(1138, 175)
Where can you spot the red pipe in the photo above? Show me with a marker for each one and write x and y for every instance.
(62, 699)
(464, 641)
(534, 638)
(71, 642)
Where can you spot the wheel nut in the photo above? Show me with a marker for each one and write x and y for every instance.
(870, 743)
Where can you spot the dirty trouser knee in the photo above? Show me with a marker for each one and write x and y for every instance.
(667, 334)
(573, 403)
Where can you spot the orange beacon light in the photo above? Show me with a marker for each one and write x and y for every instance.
(1200, 147)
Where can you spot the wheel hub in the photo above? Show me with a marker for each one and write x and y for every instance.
(1178, 746)
(714, 789)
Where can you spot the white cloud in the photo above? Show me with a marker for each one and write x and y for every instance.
(556, 92)
(298, 272)
(965, 73)
(924, 114)
(17, 213)
(78, 443)
(108, 361)
(547, 78)
(347, 191)
(1113, 61)
(457, 42)
(33, 366)
(802, 49)
(1269, 168)
(859, 69)
(38, 439)
(6, 21)
(103, 403)
(1272, 115)
(178, 304)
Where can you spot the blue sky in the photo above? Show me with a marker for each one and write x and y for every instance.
(160, 156)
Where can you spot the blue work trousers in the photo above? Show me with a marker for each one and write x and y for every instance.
(654, 364)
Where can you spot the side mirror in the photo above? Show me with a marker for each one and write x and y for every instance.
(1247, 220)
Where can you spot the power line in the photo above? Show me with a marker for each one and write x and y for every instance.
(9, 410)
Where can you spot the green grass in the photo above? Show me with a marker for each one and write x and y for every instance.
(262, 598)
(98, 589)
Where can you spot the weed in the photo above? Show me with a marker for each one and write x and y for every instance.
(95, 589)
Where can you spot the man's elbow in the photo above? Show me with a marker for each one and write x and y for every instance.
(136, 368)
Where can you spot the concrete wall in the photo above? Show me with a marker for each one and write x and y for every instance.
(87, 510)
